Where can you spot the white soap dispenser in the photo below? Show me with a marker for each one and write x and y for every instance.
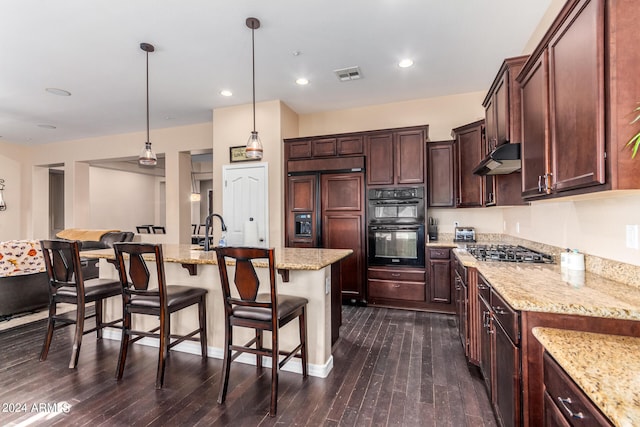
(223, 240)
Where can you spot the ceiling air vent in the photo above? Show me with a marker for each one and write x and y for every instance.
(346, 74)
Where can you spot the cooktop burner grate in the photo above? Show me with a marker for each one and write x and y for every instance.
(508, 253)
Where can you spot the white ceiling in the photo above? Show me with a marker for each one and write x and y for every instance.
(91, 48)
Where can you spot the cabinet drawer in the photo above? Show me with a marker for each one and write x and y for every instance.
(484, 290)
(324, 147)
(572, 402)
(299, 150)
(408, 291)
(397, 274)
(350, 145)
(506, 316)
(439, 253)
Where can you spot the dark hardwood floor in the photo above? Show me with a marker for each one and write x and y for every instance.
(391, 367)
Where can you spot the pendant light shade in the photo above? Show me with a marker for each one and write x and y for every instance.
(3, 204)
(147, 156)
(254, 145)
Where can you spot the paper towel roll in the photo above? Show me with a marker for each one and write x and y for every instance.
(576, 261)
(250, 233)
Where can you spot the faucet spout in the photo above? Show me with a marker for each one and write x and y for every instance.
(207, 226)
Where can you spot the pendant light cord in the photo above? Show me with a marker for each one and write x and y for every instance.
(253, 66)
(147, 96)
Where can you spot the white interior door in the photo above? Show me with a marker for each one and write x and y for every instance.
(245, 196)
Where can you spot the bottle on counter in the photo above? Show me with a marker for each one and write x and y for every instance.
(223, 240)
(564, 258)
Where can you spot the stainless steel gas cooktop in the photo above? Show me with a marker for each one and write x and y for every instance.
(508, 253)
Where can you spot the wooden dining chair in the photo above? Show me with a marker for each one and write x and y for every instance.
(132, 260)
(259, 311)
(67, 285)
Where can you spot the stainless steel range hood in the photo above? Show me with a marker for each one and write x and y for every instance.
(503, 160)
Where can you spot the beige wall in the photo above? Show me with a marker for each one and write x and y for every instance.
(16, 177)
(79, 212)
(232, 126)
(441, 114)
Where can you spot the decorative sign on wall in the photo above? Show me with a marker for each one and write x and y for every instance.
(238, 154)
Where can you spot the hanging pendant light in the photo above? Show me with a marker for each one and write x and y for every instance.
(3, 204)
(147, 156)
(254, 145)
(195, 194)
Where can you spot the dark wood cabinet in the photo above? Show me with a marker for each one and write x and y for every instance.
(565, 404)
(500, 353)
(324, 146)
(470, 150)
(302, 199)
(392, 286)
(396, 157)
(576, 96)
(439, 280)
(440, 172)
(578, 90)
(343, 226)
(462, 303)
(502, 126)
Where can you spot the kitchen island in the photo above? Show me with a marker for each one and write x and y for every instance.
(310, 273)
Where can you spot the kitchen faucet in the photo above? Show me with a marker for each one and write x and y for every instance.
(207, 225)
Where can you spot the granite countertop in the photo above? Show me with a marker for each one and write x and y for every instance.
(605, 367)
(286, 258)
(547, 288)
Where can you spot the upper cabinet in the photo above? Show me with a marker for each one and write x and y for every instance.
(440, 171)
(578, 91)
(503, 125)
(502, 105)
(325, 146)
(396, 157)
(470, 151)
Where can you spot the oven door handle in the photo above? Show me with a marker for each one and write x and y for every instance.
(394, 202)
(396, 227)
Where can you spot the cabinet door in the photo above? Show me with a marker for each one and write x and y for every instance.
(301, 198)
(470, 152)
(576, 77)
(440, 281)
(379, 148)
(440, 169)
(323, 147)
(344, 228)
(491, 127)
(409, 156)
(486, 330)
(506, 386)
(501, 105)
(534, 153)
(348, 145)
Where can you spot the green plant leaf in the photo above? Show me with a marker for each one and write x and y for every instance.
(634, 142)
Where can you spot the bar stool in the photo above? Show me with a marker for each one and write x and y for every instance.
(261, 312)
(67, 285)
(137, 298)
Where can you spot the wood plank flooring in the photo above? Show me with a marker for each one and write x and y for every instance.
(391, 367)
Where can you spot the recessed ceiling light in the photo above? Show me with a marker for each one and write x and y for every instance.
(302, 81)
(59, 92)
(405, 63)
(47, 126)
(226, 93)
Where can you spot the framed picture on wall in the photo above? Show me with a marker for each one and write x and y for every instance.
(238, 154)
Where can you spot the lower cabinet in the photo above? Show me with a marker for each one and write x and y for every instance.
(500, 354)
(564, 403)
(414, 288)
(396, 286)
(439, 267)
(462, 302)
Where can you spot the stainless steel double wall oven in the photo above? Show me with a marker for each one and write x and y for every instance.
(396, 231)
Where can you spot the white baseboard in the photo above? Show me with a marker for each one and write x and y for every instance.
(293, 365)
